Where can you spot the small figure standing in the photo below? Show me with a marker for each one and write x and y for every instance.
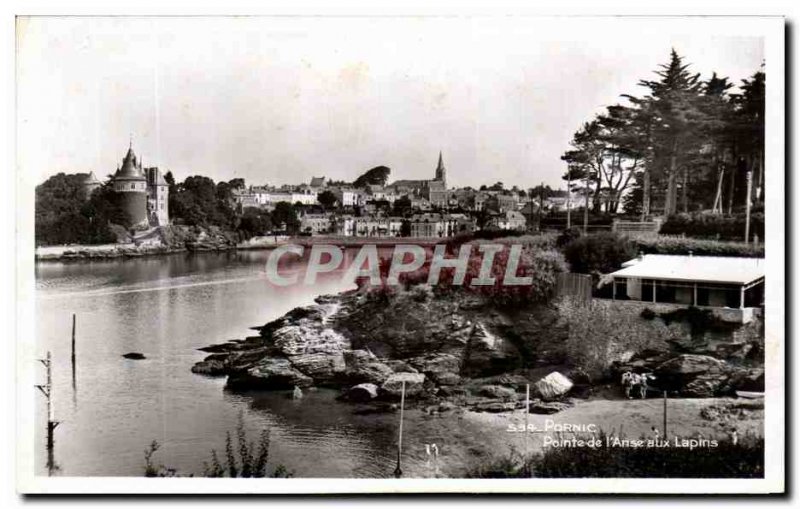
(297, 393)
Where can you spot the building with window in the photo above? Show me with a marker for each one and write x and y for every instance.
(732, 287)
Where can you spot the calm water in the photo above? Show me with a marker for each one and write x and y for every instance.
(167, 307)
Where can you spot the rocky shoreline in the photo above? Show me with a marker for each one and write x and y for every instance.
(159, 241)
(453, 351)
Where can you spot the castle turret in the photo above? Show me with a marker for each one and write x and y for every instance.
(90, 183)
(131, 184)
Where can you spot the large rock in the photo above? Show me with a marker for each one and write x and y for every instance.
(304, 339)
(322, 367)
(488, 354)
(363, 366)
(213, 365)
(548, 407)
(392, 387)
(440, 368)
(399, 366)
(270, 373)
(362, 393)
(498, 392)
(748, 380)
(693, 375)
(551, 387)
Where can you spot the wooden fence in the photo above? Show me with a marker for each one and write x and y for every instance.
(636, 226)
(578, 286)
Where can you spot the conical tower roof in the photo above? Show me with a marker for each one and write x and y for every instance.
(129, 169)
(90, 179)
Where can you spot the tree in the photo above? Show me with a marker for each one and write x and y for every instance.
(63, 215)
(254, 222)
(673, 101)
(378, 175)
(285, 217)
(401, 206)
(198, 201)
(327, 199)
(749, 126)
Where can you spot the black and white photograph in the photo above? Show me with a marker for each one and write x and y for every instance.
(425, 254)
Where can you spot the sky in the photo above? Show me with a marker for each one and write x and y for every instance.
(278, 100)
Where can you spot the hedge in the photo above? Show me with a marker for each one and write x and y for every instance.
(713, 226)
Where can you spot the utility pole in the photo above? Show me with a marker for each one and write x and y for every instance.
(665, 416)
(527, 416)
(398, 472)
(47, 390)
(586, 207)
(749, 200)
(569, 193)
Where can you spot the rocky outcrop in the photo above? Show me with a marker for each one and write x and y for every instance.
(440, 368)
(270, 373)
(353, 338)
(363, 366)
(393, 386)
(549, 407)
(497, 391)
(691, 375)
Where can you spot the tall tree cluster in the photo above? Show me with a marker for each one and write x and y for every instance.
(686, 144)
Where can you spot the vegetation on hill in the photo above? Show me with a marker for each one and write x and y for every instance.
(64, 216)
(376, 176)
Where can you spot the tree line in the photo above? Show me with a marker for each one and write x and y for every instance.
(686, 144)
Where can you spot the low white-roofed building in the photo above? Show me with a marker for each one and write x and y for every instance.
(685, 280)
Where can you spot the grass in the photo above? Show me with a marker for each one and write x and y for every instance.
(244, 459)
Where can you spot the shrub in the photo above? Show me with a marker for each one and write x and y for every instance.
(567, 236)
(684, 246)
(704, 225)
(541, 265)
(600, 334)
(599, 253)
(251, 461)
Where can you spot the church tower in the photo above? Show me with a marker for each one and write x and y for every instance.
(441, 172)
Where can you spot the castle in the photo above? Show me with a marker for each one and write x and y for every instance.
(142, 192)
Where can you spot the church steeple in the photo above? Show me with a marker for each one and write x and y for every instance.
(441, 173)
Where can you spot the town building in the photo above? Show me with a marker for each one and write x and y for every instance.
(509, 220)
(317, 224)
(732, 287)
(440, 225)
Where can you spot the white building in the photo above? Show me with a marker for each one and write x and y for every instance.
(731, 286)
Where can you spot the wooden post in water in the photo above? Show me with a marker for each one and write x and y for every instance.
(73, 342)
(47, 390)
(665, 416)
(74, 367)
(398, 472)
